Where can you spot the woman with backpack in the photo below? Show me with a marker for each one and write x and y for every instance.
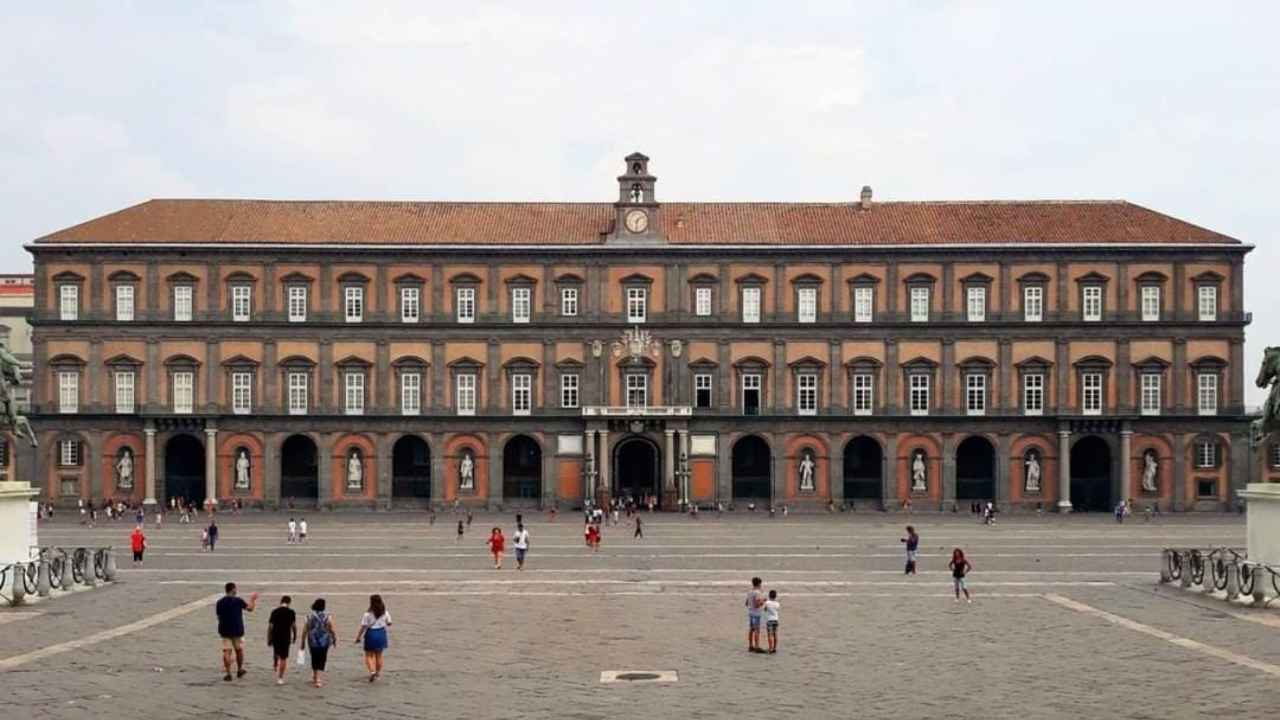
(319, 636)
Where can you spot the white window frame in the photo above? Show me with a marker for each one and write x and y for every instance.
(918, 391)
(183, 391)
(297, 303)
(353, 303)
(353, 392)
(753, 381)
(241, 303)
(1033, 394)
(68, 302)
(521, 304)
(124, 303)
(68, 453)
(465, 393)
(1091, 299)
(807, 394)
(1150, 303)
(465, 304)
(1033, 303)
(637, 385)
(919, 297)
(298, 392)
(126, 398)
(976, 307)
(751, 304)
(637, 304)
(702, 302)
(68, 392)
(570, 385)
(863, 393)
(864, 309)
(1206, 454)
(1091, 400)
(1207, 303)
(410, 393)
(521, 393)
(1207, 393)
(807, 304)
(183, 303)
(410, 304)
(241, 393)
(703, 381)
(975, 393)
(569, 302)
(1149, 393)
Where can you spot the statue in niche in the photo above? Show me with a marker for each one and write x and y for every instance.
(919, 482)
(242, 469)
(1150, 468)
(1032, 464)
(124, 469)
(806, 470)
(467, 471)
(637, 195)
(355, 470)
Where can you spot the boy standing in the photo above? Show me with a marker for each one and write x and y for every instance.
(302, 530)
(771, 607)
(912, 541)
(755, 605)
(282, 631)
(137, 543)
(293, 531)
(522, 545)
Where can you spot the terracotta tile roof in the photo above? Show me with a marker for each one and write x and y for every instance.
(421, 223)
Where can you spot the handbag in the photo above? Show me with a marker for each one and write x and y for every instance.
(302, 657)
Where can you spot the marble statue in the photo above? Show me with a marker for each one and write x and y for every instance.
(1032, 463)
(806, 471)
(355, 470)
(467, 472)
(1150, 467)
(242, 469)
(124, 469)
(918, 480)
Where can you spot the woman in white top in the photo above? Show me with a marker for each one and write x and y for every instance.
(373, 629)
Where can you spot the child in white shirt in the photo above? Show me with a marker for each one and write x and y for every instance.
(302, 530)
(771, 607)
(293, 531)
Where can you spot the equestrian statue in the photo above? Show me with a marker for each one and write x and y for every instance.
(10, 379)
(1268, 377)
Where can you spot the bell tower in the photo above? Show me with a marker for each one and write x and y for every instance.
(636, 210)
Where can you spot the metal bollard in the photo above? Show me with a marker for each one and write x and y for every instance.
(1165, 560)
(1186, 570)
(19, 589)
(90, 578)
(67, 581)
(1259, 595)
(1233, 581)
(43, 586)
(109, 569)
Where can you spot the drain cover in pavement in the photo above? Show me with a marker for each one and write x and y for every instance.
(638, 676)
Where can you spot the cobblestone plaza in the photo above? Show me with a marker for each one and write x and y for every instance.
(1067, 621)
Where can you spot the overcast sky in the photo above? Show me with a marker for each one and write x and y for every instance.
(1171, 105)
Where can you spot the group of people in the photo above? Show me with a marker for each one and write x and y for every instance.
(297, 531)
(761, 608)
(319, 635)
(959, 565)
(497, 543)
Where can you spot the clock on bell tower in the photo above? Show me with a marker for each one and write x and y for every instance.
(636, 210)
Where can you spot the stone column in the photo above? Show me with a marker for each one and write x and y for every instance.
(1126, 462)
(588, 459)
(211, 465)
(686, 490)
(835, 468)
(889, 476)
(1179, 471)
(602, 467)
(1064, 471)
(948, 469)
(435, 441)
(1004, 493)
(150, 470)
(668, 462)
(778, 481)
(1178, 375)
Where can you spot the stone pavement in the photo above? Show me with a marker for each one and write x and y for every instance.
(858, 639)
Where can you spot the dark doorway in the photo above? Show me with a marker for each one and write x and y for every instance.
(1091, 475)
(636, 471)
(863, 469)
(299, 469)
(975, 470)
(521, 470)
(184, 469)
(752, 470)
(411, 469)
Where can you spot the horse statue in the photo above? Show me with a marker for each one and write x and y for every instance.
(10, 379)
(1268, 376)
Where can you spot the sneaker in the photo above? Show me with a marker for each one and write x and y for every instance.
(279, 681)
(241, 673)
(969, 600)
(227, 677)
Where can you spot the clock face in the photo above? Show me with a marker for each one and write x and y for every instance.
(637, 221)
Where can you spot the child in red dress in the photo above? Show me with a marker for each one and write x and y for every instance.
(497, 543)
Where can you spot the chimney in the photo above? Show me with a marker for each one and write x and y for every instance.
(865, 201)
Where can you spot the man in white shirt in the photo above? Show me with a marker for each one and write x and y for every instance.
(521, 539)
(293, 531)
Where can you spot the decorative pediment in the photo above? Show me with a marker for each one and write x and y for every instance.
(1093, 278)
(297, 278)
(1151, 277)
(863, 279)
(297, 362)
(1093, 362)
(182, 276)
(808, 362)
(66, 360)
(409, 279)
(919, 278)
(920, 363)
(122, 360)
(1033, 277)
(751, 362)
(1207, 362)
(353, 278)
(240, 361)
(122, 276)
(977, 278)
(636, 279)
(572, 364)
(520, 279)
(704, 364)
(407, 361)
(353, 361)
(67, 276)
(976, 362)
(1152, 363)
(704, 279)
(863, 363)
(181, 360)
(466, 363)
(1035, 362)
(521, 363)
(1209, 276)
(569, 279)
(465, 278)
(807, 279)
(751, 279)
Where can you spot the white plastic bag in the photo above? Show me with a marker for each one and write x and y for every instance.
(302, 657)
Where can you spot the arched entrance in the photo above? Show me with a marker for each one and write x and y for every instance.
(411, 469)
(1091, 475)
(636, 469)
(184, 469)
(752, 470)
(299, 469)
(521, 470)
(975, 470)
(863, 468)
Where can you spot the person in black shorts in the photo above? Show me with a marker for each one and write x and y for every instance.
(282, 631)
(230, 610)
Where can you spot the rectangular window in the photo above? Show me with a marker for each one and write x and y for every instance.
(124, 392)
(520, 301)
(241, 393)
(1207, 393)
(977, 306)
(68, 392)
(702, 390)
(702, 302)
(751, 394)
(68, 302)
(919, 304)
(637, 390)
(1092, 303)
(751, 305)
(465, 394)
(297, 393)
(1033, 303)
(124, 303)
(1207, 302)
(1275, 455)
(807, 394)
(354, 383)
(919, 389)
(410, 393)
(569, 390)
(637, 305)
(975, 394)
(354, 304)
(1150, 393)
(410, 304)
(1033, 394)
(569, 302)
(1150, 303)
(184, 392)
(297, 303)
(182, 295)
(1206, 488)
(807, 305)
(1091, 393)
(863, 394)
(240, 299)
(521, 394)
(1206, 454)
(69, 453)
(466, 302)
(863, 304)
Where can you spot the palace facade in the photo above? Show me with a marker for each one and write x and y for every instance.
(1040, 354)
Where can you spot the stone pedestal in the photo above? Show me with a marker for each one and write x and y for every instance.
(1263, 522)
(15, 519)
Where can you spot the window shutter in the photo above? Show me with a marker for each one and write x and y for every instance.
(1217, 453)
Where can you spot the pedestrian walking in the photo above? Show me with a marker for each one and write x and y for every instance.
(293, 531)
(593, 538)
(771, 607)
(373, 630)
(159, 516)
(204, 539)
(755, 606)
(521, 541)
(912, 541)
(1120, 512)
(639, 530)
(960, 567)
(469, 516)
(282, 632)
(230, 610)
(140, 516)
(318, 636)
(459, 538)
(137, 543)
(586, 532)
(497, 543)
(213, 535)
(302, 530)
